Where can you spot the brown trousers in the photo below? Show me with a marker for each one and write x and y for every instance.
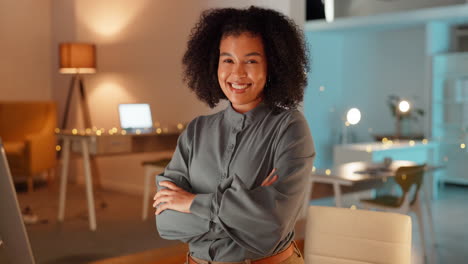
(295, 258)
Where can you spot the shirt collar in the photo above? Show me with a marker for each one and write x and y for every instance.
(242, 120)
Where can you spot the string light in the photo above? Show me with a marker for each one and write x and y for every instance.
(411, 142)
(57, 130)
(327, 172)
(462, 145)
(322, 88)
(58, 148)
(313, 169)
(424, 141)
(114, 130)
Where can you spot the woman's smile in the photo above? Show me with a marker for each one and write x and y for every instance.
(239, 87)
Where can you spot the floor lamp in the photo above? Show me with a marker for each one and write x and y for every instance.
(77, 59)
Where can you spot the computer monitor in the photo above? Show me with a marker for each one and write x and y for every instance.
(14, 241)
(135, 117)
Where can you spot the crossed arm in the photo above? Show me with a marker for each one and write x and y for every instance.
(178, 199)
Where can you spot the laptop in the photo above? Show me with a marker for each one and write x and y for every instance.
(14, 241)
(135, 117)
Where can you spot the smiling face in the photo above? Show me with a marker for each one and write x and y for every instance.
(242, 70)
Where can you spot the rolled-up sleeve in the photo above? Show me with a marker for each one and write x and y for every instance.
(259, 219)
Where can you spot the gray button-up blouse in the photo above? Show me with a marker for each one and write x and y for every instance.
(224, 158)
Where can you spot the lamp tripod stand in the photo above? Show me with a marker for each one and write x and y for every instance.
(83, 102)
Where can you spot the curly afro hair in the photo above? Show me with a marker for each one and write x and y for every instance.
(285, 51)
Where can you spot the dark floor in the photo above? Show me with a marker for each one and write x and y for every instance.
(120, 229)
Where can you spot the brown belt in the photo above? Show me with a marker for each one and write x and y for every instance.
(274, 259)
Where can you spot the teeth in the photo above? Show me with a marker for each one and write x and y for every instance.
(239, 86)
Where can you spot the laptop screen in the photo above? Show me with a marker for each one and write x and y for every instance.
(135, 116)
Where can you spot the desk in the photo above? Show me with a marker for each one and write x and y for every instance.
(345, 175)
(92, 144)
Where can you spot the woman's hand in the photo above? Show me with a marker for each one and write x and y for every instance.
(174, 198)
(272, 178)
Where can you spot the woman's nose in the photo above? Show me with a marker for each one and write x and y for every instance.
(239, 70)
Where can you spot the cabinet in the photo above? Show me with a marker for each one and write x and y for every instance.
(450, 114)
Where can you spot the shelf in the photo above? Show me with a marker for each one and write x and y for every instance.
(448, 102)
(450, 55)
(452, 125)
(452, 180)
(451, 75)
(453, 144)
(455, 128)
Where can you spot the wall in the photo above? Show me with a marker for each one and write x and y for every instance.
(379, 64)
(360, 69)
(140, 45)
(323, 93)
(25, 39)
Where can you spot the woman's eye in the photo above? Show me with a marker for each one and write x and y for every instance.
(227, 61)
(251, 61)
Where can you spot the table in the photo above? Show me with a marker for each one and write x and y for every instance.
(372, 152)
(106, 144)
(345, 175)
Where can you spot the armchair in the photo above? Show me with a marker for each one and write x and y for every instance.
(28, 133)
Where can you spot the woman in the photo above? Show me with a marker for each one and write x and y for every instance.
(236, 183)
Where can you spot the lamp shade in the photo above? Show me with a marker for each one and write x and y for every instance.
(404, 106)
(77, 58)
(353, 116)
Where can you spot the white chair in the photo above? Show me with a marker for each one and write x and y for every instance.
(152, 168)
(349, 236)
